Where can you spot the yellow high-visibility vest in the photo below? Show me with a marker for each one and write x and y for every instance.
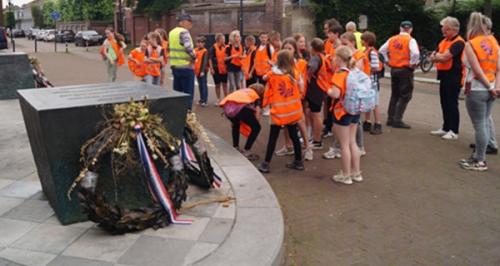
(177, 51)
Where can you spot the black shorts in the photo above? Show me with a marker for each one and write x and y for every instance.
(313, 106)
(219, 78)
(347, 119)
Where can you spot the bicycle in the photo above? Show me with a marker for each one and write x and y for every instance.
(425, 62)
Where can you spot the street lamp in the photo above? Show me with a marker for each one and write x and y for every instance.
(241, 17)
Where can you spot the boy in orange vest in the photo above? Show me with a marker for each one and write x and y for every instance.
(376, 66)
(261, 59)
(136, 61)
(218, 66)
(242, 109)
(201, 69)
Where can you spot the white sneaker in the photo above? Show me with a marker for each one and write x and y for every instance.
(439, 132)
(450, 136)
(362, 152)
(308, 155)
(284, 151)
(266, 112)
(341, 178)
(216, 103)
(332, 153)
(357, 177)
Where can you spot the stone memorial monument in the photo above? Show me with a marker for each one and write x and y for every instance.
(59, 120)
(15, 74)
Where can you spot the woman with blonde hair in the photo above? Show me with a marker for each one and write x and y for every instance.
(482, 86)
(346, 124)
(164, 46)
(234, 60)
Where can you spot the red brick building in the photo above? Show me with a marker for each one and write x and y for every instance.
(212, 16)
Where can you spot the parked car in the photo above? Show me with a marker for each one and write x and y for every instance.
(31, 34)
(18, 33)
(49, 36)
(3, 39)
(65, 36)
(88, 37)
(39, 35)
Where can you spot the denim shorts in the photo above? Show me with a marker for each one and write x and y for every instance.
(347, 119)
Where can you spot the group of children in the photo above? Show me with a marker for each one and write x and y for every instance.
(303, 91)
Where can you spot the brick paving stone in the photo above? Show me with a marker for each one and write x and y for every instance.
(26, 257)
(199, 251)
(31, 210)
(153, 251)
(72, 261)
(21, 189)
(12, 230)
(6, 204)
(5, 182)
(216, 230)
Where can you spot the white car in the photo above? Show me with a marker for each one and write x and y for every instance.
(49, 35)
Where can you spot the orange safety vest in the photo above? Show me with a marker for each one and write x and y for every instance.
(261, 61)
(339, 80)
(399, 51)
(358, 55)
(245, 96)
(329, 48)
(116, 47)
(138, 70)
(486, 50)
(274, 58)
(154, 69)
(246, 62)
(444, 46)
(236, 60)
(164, 46)
(220, 55)
(301, 67)
(282, 94)
(324, 74)
(200, 53)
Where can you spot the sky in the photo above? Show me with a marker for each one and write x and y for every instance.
(15, 2)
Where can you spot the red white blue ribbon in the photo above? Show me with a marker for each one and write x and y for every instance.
(189, 157)
(156, 186)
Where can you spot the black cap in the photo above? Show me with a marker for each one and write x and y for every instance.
(183, 17)
(406, 24)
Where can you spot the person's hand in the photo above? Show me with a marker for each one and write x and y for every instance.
(212, 70)
(111, 62)
(202, 74)
(495, 93)
(467, 88)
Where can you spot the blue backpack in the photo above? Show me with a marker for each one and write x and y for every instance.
(359, 96)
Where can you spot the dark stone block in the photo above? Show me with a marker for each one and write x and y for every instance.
(15, 74)
(60, 120)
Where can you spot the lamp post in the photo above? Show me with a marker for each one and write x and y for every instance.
(241, 17)
(119, 21)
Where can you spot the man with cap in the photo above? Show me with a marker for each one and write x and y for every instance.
(182, 56)
(402, 55)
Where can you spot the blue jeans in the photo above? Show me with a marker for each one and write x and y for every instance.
(479, 104)
(184, 82)
(202, 85)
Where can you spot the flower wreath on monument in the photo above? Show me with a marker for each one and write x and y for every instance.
(135, 140)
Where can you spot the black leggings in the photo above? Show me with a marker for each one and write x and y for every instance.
(273, 137)
(247, 116)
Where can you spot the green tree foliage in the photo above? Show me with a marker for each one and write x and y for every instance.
(156, 8)
(36, 13)
(47, 9)
(67, 9)
(9, 20)
(384, 16)
(99, 9)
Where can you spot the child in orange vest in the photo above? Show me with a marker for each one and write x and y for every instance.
(283, 96)
(112, 53)
(247, 62)
(164, 46)
(136, 61)
(368, 39)
(154, 59)
(242, 108)
(345, 125)
(218, 66)
(261, 59)
(201, 69)
(362, 63)
(234, 57)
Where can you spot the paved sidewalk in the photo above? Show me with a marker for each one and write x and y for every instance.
(416, 206)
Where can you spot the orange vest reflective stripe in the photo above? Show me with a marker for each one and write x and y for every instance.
(246, 96)
(220, 55)
(486, 50)
(301, 67)
(138, 70)
(282, 94)
(245, 129)
(399, 50)
(246, 62)
(261, 61)
(236, 60)
(164, 46)
(153, 69)
(324, 74)
(200, 53)
(340, 81)
(358, 55)
(444, 46)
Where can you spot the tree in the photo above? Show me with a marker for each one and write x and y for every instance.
(36, 14)
(156, 8)
(98, 10)
(488, 9)
(47, 9)
(10, 20)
